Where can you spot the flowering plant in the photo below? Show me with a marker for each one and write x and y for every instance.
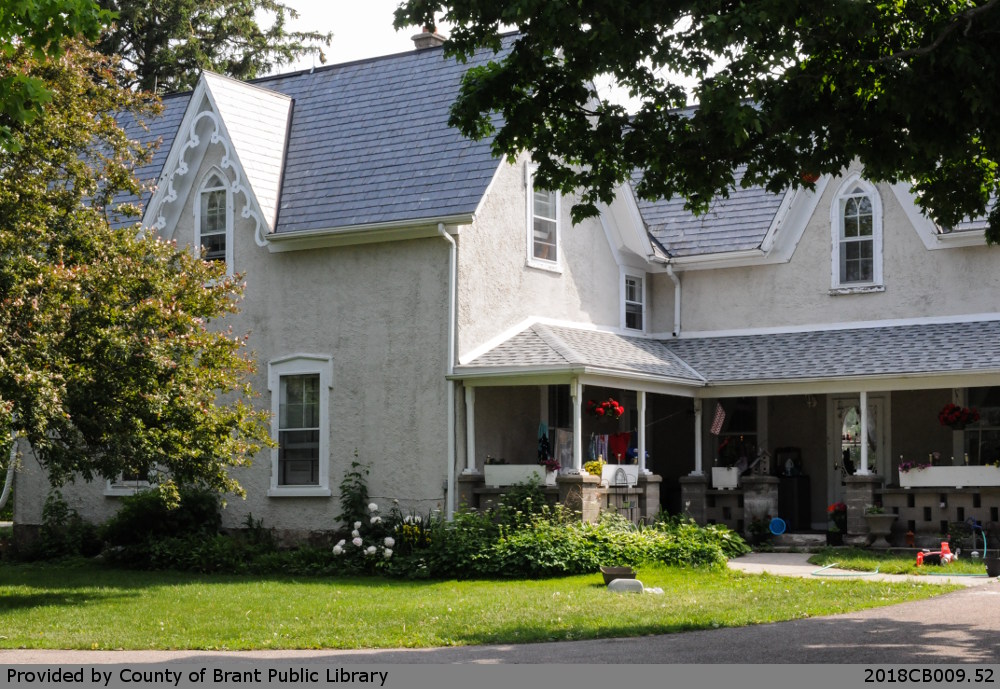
(837, 507)
(954, 415)
(551, 464)
(608, 409)
(910, 466)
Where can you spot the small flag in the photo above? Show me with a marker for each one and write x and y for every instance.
(718, 419)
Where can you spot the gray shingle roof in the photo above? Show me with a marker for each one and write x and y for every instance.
(781, 357)
(734, 224)
(886, 351)
(369, 143)
(554, 347)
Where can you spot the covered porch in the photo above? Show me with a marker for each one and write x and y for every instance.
(805, 419)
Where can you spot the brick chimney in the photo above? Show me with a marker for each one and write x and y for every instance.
(428, 38)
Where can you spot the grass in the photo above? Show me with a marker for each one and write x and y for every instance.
(84, 606)
(892, 563)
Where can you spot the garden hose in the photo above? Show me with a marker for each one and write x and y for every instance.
(820, 572)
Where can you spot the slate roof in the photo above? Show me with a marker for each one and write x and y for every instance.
(737, 223)
(780, 357)
(553, 348)
(369, 143)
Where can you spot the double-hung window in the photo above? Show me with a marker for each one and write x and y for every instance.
(857, 238)
(214, 219)
(543, 226)
(633, 303)
(300, 403)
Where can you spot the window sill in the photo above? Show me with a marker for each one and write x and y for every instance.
(860, 289)
(117, 490)
(299, 492)
(550, 266)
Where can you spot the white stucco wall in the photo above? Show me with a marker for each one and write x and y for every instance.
(498, 290)
(380, 311)
(918, 282)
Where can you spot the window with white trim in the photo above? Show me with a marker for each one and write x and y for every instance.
(129, 482)
(214, 219)
(634, 303)
(857, 237)
(543, 226)
(300, 403)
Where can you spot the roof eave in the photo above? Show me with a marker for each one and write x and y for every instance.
(366, 233)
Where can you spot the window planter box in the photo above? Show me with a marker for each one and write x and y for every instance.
(609, 474)
(725, 478)
(509, 474)
(950, 477)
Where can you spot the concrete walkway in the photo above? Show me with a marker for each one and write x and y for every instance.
(798, 565)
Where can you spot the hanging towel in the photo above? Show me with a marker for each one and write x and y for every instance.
(618, 445)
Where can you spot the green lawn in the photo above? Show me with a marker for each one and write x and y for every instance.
(85, 606)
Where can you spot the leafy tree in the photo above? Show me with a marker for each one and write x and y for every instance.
(168, 43)
(111, 357)
(41, 26)
(785, 89)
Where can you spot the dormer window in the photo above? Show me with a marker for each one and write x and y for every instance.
(857, 238)
(213, 234)
(633, 302)
(543, 226)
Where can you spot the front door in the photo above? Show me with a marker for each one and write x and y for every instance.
(844, 440)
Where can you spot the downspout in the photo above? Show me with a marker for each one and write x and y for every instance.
(677, 297)
(450, 369)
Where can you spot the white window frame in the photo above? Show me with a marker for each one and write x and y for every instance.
(641, 277)
(848, 189)
(296, 365)
(121, 488)
(542, 263)
(204, 188)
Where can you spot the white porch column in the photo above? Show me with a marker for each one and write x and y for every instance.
(863, 471)
(470, 431)
(576, 397)
(697, 439)
(641, 403)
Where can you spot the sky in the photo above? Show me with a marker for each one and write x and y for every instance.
(363, 29)
(360, 29)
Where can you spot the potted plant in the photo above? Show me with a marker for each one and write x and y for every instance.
(838, 523)
(879, 524)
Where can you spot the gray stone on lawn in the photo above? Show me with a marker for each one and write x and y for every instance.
(625, 586)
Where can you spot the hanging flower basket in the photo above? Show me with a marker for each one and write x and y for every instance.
(956, 417)
(608, 409)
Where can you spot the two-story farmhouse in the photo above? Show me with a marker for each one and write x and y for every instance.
(416, 301)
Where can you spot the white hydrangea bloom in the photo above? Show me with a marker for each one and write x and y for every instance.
(338, 549)
(355, 534)
(387, 552)
(356, 541)
(357, 525)
(370, 550)
(376, 520)
(389, 541)
(372, 507)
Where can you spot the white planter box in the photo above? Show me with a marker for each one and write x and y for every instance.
(509, 474)
(610, 476)
(725, 478)
(950, 477)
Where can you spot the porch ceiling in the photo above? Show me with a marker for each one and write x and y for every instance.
(905, 356)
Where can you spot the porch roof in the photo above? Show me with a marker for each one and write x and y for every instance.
(900, 351)
(542, 348)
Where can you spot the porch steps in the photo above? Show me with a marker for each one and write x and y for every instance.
(807, 541)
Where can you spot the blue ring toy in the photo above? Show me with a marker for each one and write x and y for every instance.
(777, 526)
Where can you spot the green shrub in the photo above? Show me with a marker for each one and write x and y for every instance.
(151, 514)
(64, 533)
